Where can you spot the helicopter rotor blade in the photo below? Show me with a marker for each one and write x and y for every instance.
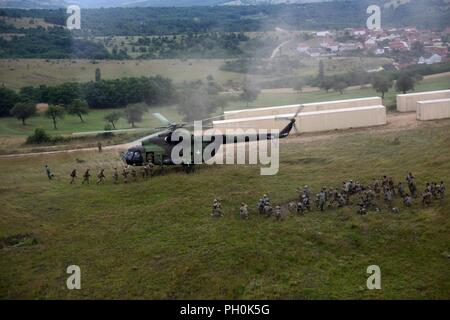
(161, 118)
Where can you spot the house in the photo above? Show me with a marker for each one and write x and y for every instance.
(398, 45)
(323, 33)
(435, 58)
(330, 46)
(349, 46)
(359, 32)
(315, 52)
(303, 48)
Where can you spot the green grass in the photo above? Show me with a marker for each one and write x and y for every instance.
(155, 239)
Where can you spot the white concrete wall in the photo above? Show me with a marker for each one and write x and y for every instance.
(408, 102)
(308, 107)
(433, 109)
(313, 121)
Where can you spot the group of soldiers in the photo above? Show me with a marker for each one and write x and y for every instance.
(127, 171)
(367, 196)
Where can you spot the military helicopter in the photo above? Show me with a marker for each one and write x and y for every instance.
(157, 147)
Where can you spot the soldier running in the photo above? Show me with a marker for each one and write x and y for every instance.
(86, 176)
(73, 176)
(101, 176)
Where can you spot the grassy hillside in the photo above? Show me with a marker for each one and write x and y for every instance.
(155, 239)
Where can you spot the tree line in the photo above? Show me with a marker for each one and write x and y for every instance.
(309, 16)
(78, 98)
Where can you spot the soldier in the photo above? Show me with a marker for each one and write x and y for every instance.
(125, 174)
(306, 191)
(146, 171)
(322, 200)
(216, 209)
(115, 176)
(300, 207)
(407, 200)
(441, 190)
(73, 176)
(99, 146)
(151, 167)
(278, 214)
(306, 203)
(426, 198)
(391, 185)
(86, 176)
(341, 200)
(376, 187)
(411, 184)
(49, 173)
(292, 207)
(401, 190)
(388, 196)
(243, 211)
(133, 172)
(268, 209)
(434, 190)
(101, 176)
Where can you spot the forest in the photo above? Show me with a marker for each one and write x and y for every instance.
(169, 21)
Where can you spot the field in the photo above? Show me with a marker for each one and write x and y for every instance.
(155, 239)
(17, 73)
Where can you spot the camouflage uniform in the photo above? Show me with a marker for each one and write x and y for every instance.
(216, 209)
(125, 175)
(277, 213)
(243, 211)
(73, 176)
(101, 176)
(115, 176)
(407, 200)
(86, 176)
(49, 173)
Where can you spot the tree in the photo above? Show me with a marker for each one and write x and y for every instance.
(298, 86)
(249, 93)
(321, 70)
(8, 98)
(133, 114)
(326, 84)
(98, 75)
(113, 117)
(23, 111)
(78, 108)
(405, 83)
(381, 83)
(55, 112)
(339, 86)
(418, 48)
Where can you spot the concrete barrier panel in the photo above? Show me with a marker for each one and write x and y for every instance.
(308, 107)
(433, 109)
(313, 121)
(408, 102)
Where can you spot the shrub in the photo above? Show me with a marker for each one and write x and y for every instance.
(39, 136)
